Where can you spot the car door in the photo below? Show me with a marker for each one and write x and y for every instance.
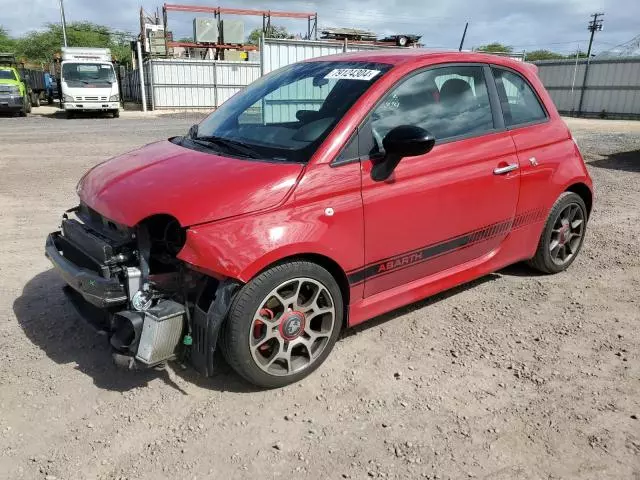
(449, 206)
(542, 145)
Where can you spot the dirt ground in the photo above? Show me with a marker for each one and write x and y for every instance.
(516, 376)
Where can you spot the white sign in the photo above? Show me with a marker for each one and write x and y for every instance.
(352, 74)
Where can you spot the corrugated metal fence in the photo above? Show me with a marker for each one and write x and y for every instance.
(611, 89)
(189, 83)
(206, 84)
(276, 53)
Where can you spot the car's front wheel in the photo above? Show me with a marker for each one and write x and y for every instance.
(283, 324)
(563, 234)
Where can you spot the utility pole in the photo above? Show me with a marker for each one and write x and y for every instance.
(594, 26)
(64, 22)
(464, 34)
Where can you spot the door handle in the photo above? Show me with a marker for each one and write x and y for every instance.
(506, 169)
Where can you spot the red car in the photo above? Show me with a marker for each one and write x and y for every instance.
(322, 195)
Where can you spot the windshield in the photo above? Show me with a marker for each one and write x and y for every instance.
(7, 75)
(88, 73)
(288, 113)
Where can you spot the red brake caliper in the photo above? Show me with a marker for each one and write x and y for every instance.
(258, 326)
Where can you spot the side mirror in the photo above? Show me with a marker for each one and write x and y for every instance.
(402, 141)
(193, 131)
(408, 141)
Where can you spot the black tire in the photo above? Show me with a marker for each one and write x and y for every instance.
(35, 99)
(26, 107)
(235, 335)
(50, 100)
(116, 114)
(543, 259)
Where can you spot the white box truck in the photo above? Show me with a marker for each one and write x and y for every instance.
(88, 81)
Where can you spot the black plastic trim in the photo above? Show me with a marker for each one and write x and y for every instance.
(99, 291)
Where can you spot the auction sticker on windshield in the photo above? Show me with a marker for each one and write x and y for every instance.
(352, 74)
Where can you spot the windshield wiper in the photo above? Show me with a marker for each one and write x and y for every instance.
(236, 145)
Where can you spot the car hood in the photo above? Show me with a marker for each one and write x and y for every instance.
(192, 186)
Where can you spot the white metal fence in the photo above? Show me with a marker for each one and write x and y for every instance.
(189, 83)
(206, 84)
(611, 89)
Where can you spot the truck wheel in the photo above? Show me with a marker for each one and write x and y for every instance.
(26, 107)
(283, 324)
(50, 100)
(35, 100)
(563, 234)
(116, 114)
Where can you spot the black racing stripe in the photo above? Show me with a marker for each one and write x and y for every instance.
(420, 255)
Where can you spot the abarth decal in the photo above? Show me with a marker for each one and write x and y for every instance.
(415, 257)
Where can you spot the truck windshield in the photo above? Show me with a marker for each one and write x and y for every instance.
(7, 75)
(284, 116)
(80, 74)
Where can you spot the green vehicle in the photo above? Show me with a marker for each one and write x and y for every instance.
(14, 91)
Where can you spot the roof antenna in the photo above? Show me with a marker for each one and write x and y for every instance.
(464, 34)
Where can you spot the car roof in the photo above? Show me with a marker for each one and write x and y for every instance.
(399, 56)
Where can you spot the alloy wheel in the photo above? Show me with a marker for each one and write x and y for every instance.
(292, 326)
(567, 233)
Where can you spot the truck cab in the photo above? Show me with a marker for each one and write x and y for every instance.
(88, 81)
(14, 94)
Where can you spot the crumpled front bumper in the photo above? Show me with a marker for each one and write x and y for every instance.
(94, 288)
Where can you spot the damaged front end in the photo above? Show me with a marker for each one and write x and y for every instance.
(129, 283)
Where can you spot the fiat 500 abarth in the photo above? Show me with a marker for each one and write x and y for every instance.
(324, 194)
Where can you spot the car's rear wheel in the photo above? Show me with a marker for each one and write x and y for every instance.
(563, 234)
(283, 324)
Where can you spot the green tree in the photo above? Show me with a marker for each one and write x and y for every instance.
(543, 55)
(7, 44)
(272, 32)
(43, 45)
(495, 47)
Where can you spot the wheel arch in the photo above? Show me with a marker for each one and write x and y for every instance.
(585, 193)
(328, 264)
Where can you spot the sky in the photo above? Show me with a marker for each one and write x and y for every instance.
(559, 25)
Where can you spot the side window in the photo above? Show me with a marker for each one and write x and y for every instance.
(448, 101)
(519, 104)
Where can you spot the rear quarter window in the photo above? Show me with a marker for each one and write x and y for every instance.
(520, 104)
